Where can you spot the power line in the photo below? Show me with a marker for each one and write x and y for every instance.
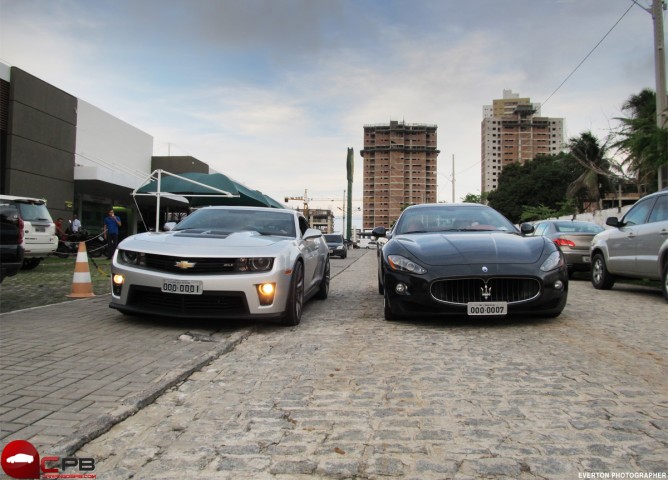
(589, 54)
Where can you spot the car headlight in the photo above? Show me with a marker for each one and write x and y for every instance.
(128, 257)
(257, 264)
(555, 260)
(402, 264)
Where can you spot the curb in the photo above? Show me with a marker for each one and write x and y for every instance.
(135, 402)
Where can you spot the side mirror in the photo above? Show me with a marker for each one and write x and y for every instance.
(527, 229)
(613, 222)
(312, 233)
(169, 226)
(379, 232)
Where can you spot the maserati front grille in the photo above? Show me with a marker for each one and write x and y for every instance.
(461, 291)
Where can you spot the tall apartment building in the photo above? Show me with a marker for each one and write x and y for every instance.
(399, 170)
(512, 131)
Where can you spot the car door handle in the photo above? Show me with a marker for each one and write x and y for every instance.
(663, 232)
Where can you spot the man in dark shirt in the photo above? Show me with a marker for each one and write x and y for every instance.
(111, 224)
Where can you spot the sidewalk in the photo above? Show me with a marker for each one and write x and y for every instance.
(68, 372)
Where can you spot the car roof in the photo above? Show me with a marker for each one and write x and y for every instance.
(24, 199)
(242, 207)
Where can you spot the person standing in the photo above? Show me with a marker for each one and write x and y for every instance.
(76, 224)
(111, 224)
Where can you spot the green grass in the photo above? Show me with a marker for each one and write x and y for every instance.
(50, 282)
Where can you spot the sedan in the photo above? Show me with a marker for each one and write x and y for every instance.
(223, 262)
(573, 237)
(468, 259)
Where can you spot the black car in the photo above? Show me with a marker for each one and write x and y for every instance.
(11, 239)
(468, 259)
(337, 245)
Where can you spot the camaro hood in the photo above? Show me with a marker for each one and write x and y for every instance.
(473, 247)
(204, 245)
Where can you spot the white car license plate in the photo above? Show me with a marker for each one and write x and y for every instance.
(487, 308)
(187, 287)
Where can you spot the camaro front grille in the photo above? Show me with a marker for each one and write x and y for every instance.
(165, 263)
(461, 291)
(210, 303)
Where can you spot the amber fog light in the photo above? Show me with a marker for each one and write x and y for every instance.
(117, 284)
(265, 293)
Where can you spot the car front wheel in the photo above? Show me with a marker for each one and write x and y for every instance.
(295, 303)
(389, 314)
(323, 291)
(664, 281)
(601, 279)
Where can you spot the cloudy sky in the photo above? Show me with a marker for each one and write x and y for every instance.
(273, 92)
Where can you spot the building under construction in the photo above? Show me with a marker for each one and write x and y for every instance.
(400, 162)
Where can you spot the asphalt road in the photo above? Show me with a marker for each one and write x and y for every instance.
(348, 395)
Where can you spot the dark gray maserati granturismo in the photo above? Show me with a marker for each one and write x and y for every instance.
(467, 259)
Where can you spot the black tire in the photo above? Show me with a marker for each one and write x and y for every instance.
(323, 291)
(295, 303)
(664, 281)
(601, 279)
(30, 263)
(390, 316)
(61, 252)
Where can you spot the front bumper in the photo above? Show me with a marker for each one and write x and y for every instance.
(223, 295)
(417, 300)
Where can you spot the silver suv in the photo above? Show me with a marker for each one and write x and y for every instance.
(636, 246)
(39, 235)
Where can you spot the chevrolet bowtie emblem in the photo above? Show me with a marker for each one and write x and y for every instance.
(486, 292)
(184, 264)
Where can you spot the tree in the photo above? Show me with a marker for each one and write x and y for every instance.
(594, 180)
(472, 198)
(642, 144)
(542, 181)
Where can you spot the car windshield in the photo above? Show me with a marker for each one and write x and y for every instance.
(222, 221)
(333, 238)
(577, 227)
(444, 218)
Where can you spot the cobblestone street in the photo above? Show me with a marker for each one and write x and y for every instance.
(349, 395)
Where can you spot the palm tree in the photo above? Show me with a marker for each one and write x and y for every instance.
(594, 181)
(643, 145)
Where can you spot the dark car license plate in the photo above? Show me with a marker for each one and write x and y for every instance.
(487, 308)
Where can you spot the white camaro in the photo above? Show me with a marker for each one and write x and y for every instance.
(223, 262)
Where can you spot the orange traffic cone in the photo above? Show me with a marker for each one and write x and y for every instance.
(82, 286)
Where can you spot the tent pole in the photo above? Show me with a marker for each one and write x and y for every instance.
(157, 210)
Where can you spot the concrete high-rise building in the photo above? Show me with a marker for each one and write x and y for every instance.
(399, 170)
(513, 131)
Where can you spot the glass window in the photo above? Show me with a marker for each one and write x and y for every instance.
(638, 214)
(660, 210)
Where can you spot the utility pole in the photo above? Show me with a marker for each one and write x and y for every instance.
(453, 178)
(660, 76)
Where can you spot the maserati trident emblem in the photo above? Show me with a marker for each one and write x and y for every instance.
(184, 264)
(486, 292)
(485, 269)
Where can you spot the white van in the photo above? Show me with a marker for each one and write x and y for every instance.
(39, 233)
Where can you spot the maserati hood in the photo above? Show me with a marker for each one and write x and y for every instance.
(472, 248)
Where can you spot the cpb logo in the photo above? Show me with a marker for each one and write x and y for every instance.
(20, 460)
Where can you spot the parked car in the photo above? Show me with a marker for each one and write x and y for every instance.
(39, 231)
(573, 237)
(468, 259)
(337, 245)
(223, 262)
(11, 240)
(636, 246)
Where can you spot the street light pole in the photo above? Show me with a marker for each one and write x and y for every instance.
(660, 75)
